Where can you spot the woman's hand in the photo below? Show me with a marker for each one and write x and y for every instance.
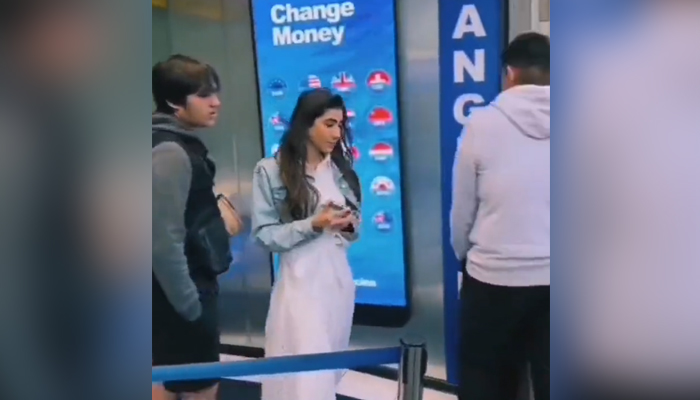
(232, 220)
(332, 217)
(324, 218)
(343, 220)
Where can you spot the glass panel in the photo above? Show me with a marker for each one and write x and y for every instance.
(160, 34)
(219, 32)
(544, 11)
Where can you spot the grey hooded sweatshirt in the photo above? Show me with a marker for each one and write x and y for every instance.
(172, 173)
(500, 212)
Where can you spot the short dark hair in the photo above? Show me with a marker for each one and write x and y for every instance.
(178, 77)
(529, 52)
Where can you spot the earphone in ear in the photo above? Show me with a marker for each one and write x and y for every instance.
(173, 106)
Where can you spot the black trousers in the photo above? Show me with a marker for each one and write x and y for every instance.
(503, 330)
(178, 342)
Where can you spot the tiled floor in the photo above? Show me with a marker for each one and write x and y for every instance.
(238, 390)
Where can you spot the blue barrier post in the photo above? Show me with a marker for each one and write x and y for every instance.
(414, 363)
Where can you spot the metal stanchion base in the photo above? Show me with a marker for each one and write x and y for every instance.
(414, 363)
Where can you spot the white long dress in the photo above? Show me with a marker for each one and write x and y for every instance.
(311, 306)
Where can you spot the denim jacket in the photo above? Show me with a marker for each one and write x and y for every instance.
(271, 226)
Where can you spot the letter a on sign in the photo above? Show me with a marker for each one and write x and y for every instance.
(469, 21)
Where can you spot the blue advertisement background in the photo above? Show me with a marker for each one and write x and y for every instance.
(369, 45)
(492, 15)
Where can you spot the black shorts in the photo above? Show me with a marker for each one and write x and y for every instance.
(177, 341)
(503, 330)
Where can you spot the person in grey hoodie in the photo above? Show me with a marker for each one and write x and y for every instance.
(190, 238)
(500, 230)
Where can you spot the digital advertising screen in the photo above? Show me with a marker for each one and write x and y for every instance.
(350, 48)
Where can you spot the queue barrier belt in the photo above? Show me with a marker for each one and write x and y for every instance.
(279, 365)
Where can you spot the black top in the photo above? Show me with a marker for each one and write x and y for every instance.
(206, 241)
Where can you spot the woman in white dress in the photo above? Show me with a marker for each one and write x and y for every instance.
(306, 202)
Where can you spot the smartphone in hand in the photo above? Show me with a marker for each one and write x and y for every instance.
(350, 228)
(343, 212)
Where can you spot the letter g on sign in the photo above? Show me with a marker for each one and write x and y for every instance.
(461, 104)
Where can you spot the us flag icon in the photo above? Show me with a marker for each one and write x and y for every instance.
(311, 82)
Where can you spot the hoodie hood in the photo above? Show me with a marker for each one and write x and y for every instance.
(527, 108)
(168, 123)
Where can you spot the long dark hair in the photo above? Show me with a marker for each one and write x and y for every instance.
(302, 197)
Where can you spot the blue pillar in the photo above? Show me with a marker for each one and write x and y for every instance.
(472, 37)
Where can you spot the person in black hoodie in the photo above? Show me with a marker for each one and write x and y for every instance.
(190, 240)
